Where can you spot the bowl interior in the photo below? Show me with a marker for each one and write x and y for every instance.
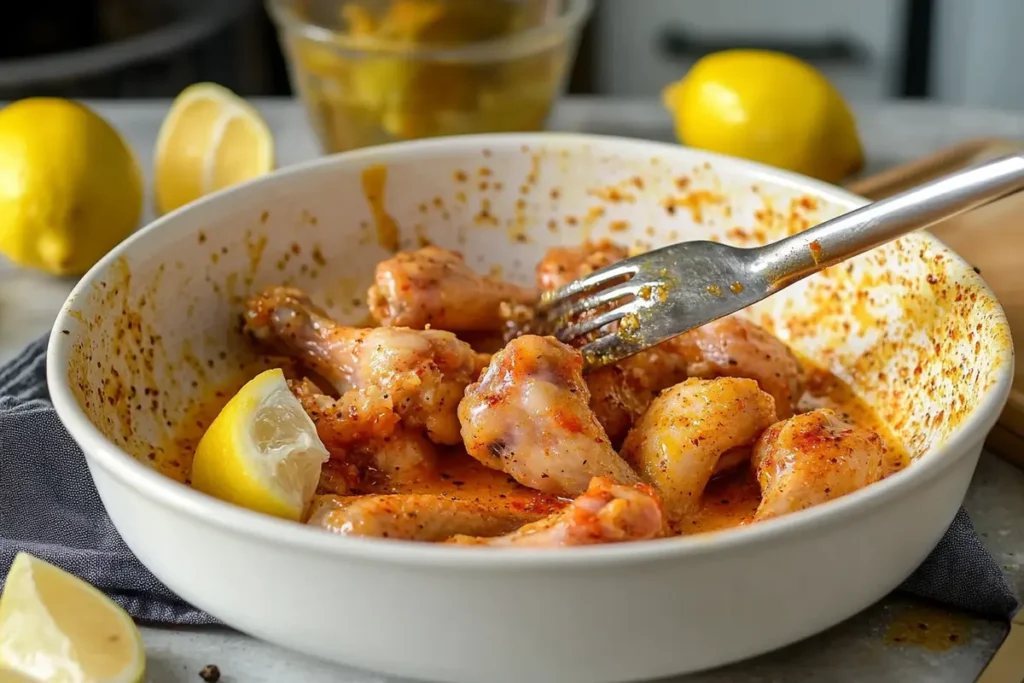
(153, 331)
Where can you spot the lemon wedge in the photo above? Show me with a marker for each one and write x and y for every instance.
(262, 451)
(55, 627)
(767, 107)
(70, 187)
(11, 676)
(210, 139)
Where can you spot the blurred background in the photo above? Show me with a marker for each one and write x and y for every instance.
(950, 51)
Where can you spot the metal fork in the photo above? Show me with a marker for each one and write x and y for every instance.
(663, 293)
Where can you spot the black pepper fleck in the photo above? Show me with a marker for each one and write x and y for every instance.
(210, 673)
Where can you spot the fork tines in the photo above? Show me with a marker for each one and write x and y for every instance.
(564, 311)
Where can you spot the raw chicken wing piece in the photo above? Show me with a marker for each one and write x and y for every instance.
(620, 393)
(812, 458)
(606, 513)
(562, 265)
(434, 287)
(428, 516)
(529, 417)
(730, 347)
(357, 416)
(423, 373)
(693, 430)
(736, 347)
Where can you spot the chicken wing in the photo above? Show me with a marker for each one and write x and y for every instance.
(396, 463)
(811, 458)
(423, 373)
(620, 393)
(428, 516)
(370, 450)
(358, 416)
(730, 347)
(562, 265)
(528, 416)
(433, 287)
(736, 347)
(606, 513)
(679, 442)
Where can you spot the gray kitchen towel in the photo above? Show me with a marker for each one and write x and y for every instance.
(50, 508)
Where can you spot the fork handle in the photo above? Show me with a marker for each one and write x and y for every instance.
(794, 258)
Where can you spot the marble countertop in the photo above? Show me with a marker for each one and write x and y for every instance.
(877, 645)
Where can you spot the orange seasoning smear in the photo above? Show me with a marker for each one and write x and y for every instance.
(652, 292)
(815, 251)
(374, 179)
(629, 325)
(928, 628)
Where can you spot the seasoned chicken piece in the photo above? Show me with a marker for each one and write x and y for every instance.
(562, 265)
(429, 516)
(688, 429)
(397, 462)
(423, 373)
(730, 347)
(618, 399)
(559, 267)
(434, 287)
(606, 513)
(528, 416)
(359, 415)
(340, 477)
(736, 347)
(811, 458)
(369, 450)
(620, 393)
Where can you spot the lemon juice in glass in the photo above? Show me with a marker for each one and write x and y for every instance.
(371, 72)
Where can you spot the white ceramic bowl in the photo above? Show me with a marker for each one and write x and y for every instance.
(910, 326)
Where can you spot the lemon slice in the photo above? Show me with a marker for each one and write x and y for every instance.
(55, 627)
(11, 676)
(211, 139)
(262, 452)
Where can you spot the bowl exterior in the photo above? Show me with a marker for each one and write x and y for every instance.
(651, 620)
(153, 329)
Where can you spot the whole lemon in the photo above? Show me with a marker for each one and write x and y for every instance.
(767, 107)
(70, 188)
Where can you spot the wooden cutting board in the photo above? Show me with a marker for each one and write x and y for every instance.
(992, 239)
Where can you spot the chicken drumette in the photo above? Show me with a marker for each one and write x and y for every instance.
(430, 516)
(529, 416)
(422, 373)
(434, 287)
(606, 513)
(693, 430)
(812, 458)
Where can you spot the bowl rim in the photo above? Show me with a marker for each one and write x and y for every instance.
(502, 48)
(166, 492)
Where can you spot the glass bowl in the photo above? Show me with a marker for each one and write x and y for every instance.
(376, 71)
